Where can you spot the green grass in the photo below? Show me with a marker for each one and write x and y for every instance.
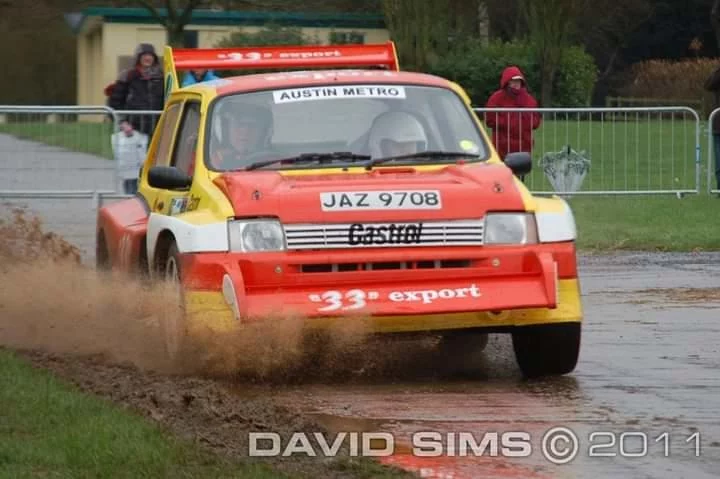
(49, 429)
(660, 223)
(636, 152)
(85, 137)
(633, 155)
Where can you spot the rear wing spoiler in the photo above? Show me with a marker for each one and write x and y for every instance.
(276, 57)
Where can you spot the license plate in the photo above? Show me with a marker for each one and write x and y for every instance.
(381, 200)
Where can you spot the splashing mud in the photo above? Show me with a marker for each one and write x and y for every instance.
(51, 302)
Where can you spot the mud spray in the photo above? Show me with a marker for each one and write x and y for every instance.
(50, 301)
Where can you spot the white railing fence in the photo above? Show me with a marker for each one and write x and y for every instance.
(653, 150)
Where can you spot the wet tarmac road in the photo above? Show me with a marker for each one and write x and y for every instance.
(649, 369)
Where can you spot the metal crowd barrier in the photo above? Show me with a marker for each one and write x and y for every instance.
(649, 150)
(631, 151)
(713, 154)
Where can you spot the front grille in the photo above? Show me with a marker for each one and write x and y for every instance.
(384, 266)
(384, 235)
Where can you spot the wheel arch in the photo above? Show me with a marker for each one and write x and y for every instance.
(189, 237)
(162, 245)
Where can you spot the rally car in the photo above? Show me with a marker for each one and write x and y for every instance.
(349, 191)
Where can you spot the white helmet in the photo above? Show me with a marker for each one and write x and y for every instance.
(399, 127)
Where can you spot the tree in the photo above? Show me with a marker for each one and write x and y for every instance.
(715, 20)
(175, 20)
(271, 34)
(606, 36)
(419, 28)
(177, 17)
(550, 25)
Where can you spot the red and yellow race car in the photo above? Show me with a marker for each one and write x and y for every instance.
(351, 191)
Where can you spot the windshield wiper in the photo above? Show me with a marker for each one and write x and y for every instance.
(311, 157)
(432, 155)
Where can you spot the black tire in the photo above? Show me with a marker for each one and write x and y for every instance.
(102, 255)
(173, 327)
(547, 350)
(464, 343)
(460, 352)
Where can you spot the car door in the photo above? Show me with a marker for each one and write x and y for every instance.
(175, 147)
(159, 155)
(183, 156)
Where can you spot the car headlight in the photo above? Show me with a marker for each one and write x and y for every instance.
(256, 235)
(510, 228)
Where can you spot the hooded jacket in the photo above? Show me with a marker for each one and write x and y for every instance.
(512, 131)
(140, 88)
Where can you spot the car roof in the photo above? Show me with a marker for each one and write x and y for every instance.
(291, 79)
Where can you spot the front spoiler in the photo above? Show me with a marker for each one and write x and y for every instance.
(209, 310)
(536, 286)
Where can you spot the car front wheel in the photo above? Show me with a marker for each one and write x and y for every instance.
(172, 324)
(547, 350)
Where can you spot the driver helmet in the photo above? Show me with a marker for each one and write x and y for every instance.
(396, 133)
(243, 126)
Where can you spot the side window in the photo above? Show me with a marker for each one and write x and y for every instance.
(186, 142)
(162, 152)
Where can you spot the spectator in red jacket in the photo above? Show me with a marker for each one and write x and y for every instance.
(512, 131)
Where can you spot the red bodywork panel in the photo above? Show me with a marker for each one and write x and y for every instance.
(492, 278)
(467, 192)
(124, 225)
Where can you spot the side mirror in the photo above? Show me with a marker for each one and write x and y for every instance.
(168, 178)
(520, 163)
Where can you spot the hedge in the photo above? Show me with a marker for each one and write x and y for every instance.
(477, 68)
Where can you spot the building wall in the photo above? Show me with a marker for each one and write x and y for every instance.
(83, 72)
(120, 43)
(89, 69)
(105, 51)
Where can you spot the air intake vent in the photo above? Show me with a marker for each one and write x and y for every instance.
(384, 235)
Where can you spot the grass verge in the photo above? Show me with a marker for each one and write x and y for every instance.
(84, 137)
(628, 154)
(654, 223)
(49, 429)
(636, 152)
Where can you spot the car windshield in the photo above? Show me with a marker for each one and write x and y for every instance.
(336, 125)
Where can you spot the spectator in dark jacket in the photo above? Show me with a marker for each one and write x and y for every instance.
(512, 131)
(713, 84)
(140, 88)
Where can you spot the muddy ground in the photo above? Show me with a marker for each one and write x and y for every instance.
(649, 368)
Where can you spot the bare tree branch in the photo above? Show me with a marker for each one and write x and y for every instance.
(187, 12)
(153, 11)
(171, 11)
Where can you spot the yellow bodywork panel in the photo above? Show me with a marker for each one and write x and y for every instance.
(207, 309)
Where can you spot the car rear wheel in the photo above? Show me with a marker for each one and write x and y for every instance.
(547, 350)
